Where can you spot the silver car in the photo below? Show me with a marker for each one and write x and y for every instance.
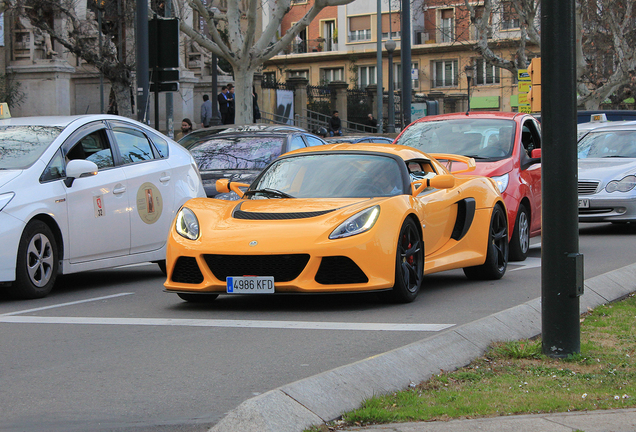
(607, 174)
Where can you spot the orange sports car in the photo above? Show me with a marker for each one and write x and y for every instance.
(339, 218)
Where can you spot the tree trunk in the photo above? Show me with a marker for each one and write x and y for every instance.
(243, 99)
(123, 98)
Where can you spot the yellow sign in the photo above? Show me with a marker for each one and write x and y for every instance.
(525, 109)
(523, 99)
(523, 75)
(524, 86)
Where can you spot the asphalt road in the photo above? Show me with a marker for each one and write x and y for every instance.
(109, 351)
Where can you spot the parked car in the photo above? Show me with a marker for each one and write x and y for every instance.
(201, 134)
(85, 192)
(607, 174)
(598, 121)
(241, 156)
(340, 218)
(506, 148)
(359, 139)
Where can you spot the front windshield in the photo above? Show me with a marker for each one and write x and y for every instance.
(333, 176)
(477, 138)
(21, 146)
(237, 152)
(609, 144)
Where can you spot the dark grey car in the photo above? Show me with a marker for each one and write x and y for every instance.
(241, 156)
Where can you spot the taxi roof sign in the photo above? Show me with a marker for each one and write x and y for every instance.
(4, 111)
(598, 117)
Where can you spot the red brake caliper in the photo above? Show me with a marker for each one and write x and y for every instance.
(410, 259)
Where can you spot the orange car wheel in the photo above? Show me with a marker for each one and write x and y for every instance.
(409, 267)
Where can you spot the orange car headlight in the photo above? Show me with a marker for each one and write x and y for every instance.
(187, 224)
(358, 223)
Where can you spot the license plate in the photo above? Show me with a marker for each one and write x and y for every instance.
(584, 203)
(250, 284)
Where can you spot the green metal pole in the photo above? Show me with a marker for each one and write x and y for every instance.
(561, 263)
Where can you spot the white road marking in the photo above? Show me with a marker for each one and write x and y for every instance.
(288, 325)
(527, 264)
(66, 304)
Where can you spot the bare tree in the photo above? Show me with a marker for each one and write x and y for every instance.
(77, 30)
(606, 31)
(239, 44)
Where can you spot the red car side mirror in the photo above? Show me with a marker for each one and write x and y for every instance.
(536, 154)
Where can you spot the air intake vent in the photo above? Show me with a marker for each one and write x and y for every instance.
(284, 268)
(186, 270)
(339, 270)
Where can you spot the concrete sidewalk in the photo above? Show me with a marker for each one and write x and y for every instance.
(324, 397)
(589, 421)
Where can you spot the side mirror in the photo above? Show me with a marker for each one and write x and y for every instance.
(226, 185)
(535, 154)
(443, 181)
(78, 168)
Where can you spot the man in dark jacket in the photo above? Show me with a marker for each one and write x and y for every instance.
(335, 126)
(224, 104)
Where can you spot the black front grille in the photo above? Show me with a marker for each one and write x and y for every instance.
(587, 187)
(186, 270)
(284, 268)
(339, 270)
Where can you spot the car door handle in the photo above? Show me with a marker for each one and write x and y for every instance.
(164, 179)
(118, 190)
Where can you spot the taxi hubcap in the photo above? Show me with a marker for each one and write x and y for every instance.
(40, 260)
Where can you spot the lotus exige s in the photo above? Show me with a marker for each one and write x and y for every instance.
(340, 218)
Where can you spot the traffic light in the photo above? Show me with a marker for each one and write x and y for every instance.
(534, 95)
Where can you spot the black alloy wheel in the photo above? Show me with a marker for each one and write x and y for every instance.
(497, 253)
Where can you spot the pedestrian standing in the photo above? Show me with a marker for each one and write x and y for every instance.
(206, 111)
(255, 109)
(223, 104)
(371, 122)
(186, 128)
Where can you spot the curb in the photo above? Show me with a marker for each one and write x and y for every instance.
(324, 397)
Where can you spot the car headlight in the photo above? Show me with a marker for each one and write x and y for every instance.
(5, 198)
(356, 224)
(187, 224)
(502, 182)
(624, 185)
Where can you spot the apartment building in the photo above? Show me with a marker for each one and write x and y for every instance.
(341, 45)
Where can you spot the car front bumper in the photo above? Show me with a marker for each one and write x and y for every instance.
(608, 209)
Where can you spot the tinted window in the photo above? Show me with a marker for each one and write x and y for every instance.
(478, 138)
(133, 145)
(161, 144)
(21, 146)
(349, 176)
(240, 152)
(55, 169)
(313, 141)
(297, 142)
(93, 147)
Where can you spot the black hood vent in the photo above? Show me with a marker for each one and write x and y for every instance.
(240, 214)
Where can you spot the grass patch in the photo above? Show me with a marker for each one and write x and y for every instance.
(516, 378)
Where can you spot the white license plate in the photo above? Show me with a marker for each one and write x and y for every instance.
(250, 284)
(584, 203)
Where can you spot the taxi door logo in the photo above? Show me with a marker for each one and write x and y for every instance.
(149, 203)
(98, 205)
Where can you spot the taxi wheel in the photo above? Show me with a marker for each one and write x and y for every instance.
(497, 256)
(37, 262)
(409, 266)
(198, 298)
(520, 242)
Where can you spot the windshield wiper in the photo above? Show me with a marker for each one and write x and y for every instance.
(617, 156)
(268, 191)
(477, 157)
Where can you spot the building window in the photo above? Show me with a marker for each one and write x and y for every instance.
(366, 76)
(486, 73)
(397, 76)
(359, 28)
(447, 28)
(298, 74)
(269, 77)
(333, 74)
(509, 16)
(445, 73)
(391, 25)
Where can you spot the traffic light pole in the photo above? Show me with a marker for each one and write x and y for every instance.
(561, 263)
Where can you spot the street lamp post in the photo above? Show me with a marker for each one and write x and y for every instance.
(390, 47)
(469, 76)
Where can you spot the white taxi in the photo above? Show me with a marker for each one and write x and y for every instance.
(85, 192)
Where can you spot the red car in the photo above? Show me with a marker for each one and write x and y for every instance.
(506, 147)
